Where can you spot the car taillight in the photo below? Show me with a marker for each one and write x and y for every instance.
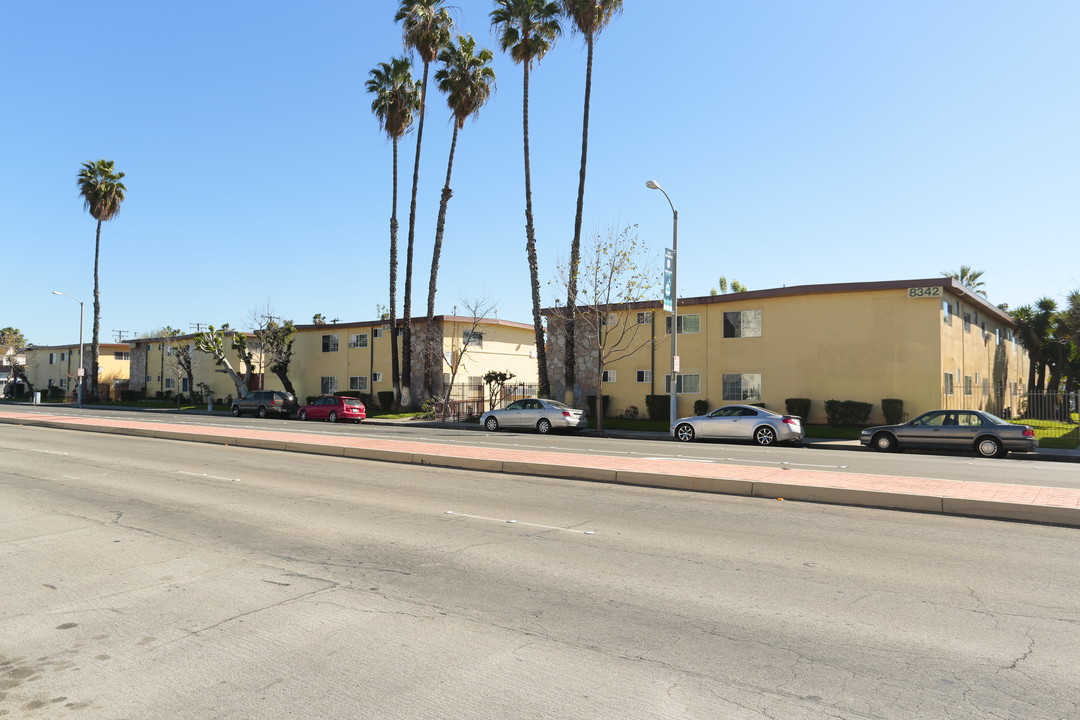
(565, 413)
(273, 401)
(1028, 432)
(790, 420)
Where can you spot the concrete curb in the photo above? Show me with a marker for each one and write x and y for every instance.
(1051, 515)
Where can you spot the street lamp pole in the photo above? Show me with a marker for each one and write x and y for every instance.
(81, 372)
(653, 185)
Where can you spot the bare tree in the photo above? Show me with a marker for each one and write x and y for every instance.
(213, 342)
(614, 272)
(477, 310)
(181, 355)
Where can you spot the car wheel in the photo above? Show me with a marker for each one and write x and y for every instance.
(332, 417)
(989, 447)
(765, 435)
(302, 415)
(491, 424)
(544, 426)
(884, 442)
(236, 411)
(684, 433)
(262, 411)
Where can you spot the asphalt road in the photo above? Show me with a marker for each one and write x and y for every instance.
(148, 578)
(1015, 469)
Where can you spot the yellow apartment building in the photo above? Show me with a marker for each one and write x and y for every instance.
(931, 343)
(154, 369)
(49, 366)
(356, 356)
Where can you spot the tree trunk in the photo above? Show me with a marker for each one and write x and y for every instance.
(406, 344)
(95, 343)
(395, 367)
(433, 353)
(544, 389)
(282, 374)
(575, 245)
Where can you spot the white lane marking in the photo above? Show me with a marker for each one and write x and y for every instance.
(209, 477)
(47, 452)
(517, 522)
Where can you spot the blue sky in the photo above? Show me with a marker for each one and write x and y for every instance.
(802, 142)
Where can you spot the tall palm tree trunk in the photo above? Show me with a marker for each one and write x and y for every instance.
(395, 375)
(406, 343)
(95, 343)
(544, 389)
(570, 371)
(433, 353)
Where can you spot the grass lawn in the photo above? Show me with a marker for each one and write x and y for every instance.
(1053, 434)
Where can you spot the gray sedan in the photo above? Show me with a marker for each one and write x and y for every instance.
(544, 415)
(740, 422)
(963, 430)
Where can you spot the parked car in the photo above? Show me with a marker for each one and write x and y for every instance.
(544, 415)
(740, 422)
(964, 430)
(265, 402)
(334, 409)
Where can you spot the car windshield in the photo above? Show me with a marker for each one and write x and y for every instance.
(558, 405)
(995, 419)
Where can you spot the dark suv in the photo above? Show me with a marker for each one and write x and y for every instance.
(265, 402)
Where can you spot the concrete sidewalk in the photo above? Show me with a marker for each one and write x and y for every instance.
(1059, 506)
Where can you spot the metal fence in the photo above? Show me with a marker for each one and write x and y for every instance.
(1057, 411)
(472, 400)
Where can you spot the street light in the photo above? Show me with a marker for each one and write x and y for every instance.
(81, 372)
(653, 185)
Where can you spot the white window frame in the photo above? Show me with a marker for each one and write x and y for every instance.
(328, 384)
(472, 338)
(746, 383)
(946, 312)
(376, 333)
(170, 383)
(330, 343)
(644, 318)
(608, 376)
(358, 383)
(691, 320)
(687, 384)
(644, 376)
(749, 321)
(949, 384)
(359, 340)
(376, 377)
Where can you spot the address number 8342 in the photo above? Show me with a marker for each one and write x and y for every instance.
(919, 292)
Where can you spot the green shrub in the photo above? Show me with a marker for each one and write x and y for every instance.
(847, 412)
(658, 407)
(701, 407)
(799, 407)
(56, 392)
(386, 399)
(131, 395)
(590, 405)
(893, 410)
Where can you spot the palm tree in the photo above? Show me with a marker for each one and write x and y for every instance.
(397, 100)
(426, 26)
(468, 81)
(102, 194)
(528, 29)
(589, 17)
(969, 278)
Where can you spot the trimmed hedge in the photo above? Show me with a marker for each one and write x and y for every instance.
(590, 405)
(386, 399)
(701, 407)
(847, 412)
(658, 407)
(893, 410)
(799, 407)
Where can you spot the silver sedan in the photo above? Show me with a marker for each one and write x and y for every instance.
(740, 422)
(544, 415)
(963, 430)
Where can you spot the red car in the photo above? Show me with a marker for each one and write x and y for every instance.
(334, 409)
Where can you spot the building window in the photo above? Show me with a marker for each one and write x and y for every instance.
(685, 385)
(998, 334)
(63, 357)
(742, 387)
(52, 358)
(121, 356)
(644, 376)
(608, 376)
(968, 385)
(329, 343)
(170, 383)
(687, 324)
(328, 385)
(63, 383)
(967, 322)
(644, 318)
(184, 385)
(473, 338)
(376, 333)
(358, 382)
(358, 341)
(949, 389)
(746, 323)
(946, 312)
(376, 377)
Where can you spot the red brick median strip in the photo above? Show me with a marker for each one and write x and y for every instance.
(1017, 502)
